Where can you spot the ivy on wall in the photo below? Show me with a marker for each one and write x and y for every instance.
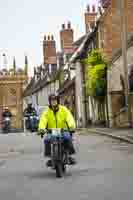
(96, 67)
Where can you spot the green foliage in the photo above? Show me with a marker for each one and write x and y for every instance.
(95, 73)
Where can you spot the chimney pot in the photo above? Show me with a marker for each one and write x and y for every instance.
(93, 8)
(45, 37)
(48, 37)
(63, 26)
(88, 8)
(69, 25)
(52, 37)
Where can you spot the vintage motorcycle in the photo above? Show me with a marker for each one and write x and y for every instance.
(6, 124)
(31, 121)
(59, 152)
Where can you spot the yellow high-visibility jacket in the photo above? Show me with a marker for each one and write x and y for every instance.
(61, 119)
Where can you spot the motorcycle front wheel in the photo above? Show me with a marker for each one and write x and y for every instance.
(59, 169)
(64, 168)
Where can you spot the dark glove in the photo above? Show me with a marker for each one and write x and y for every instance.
(41, 133)
(72, 131)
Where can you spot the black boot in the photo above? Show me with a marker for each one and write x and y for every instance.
(72, 161)
(49, 163)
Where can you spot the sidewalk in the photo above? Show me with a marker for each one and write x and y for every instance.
(123, 134)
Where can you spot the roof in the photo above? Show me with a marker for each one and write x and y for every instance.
(29, 87)
(83, 46)
(118, 52)
(34, 87)
(79, 41)
(66, 85)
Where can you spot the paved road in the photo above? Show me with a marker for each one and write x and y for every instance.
(104, 172)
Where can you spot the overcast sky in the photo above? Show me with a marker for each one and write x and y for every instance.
(23, 24)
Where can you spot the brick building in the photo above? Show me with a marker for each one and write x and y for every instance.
(110, 41)
(46, 76)
(110, 26)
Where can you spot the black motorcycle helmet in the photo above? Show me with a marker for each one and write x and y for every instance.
(6, 108)
(29, 105)
(55, 97)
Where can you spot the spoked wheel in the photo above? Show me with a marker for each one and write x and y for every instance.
(64, 168)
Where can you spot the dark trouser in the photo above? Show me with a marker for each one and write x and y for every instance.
(67, 144)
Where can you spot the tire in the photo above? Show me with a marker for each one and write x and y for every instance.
(64, 168)
(59, 170)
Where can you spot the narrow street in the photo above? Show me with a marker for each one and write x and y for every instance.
(104, 171)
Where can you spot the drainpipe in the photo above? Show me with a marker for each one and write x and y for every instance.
(84, 94)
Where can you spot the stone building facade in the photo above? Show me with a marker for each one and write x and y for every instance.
(12, 84)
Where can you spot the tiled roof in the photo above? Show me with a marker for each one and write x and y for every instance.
(79, 41)
(83, 46)
(29, 87)
(66, 85)
(34, 87)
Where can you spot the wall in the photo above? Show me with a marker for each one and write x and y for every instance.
(116, 95)
(110, 26)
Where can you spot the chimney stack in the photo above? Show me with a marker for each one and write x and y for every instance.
(49, 50)
(90, 17)
(66, 38)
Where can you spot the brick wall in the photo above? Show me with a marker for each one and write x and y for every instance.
(111, 33)
(115, 88)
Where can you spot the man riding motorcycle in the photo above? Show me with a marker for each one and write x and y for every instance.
(30, 110)
(6, 114)
(57, 116)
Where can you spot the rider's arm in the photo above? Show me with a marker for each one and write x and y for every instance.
(34, 111)
(10, 114)
(3, 114)
(25, 112)
(70, 119)
(43, 121)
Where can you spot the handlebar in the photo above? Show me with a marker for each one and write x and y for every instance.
(43, 131)
(30, 114)
(61, 129)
